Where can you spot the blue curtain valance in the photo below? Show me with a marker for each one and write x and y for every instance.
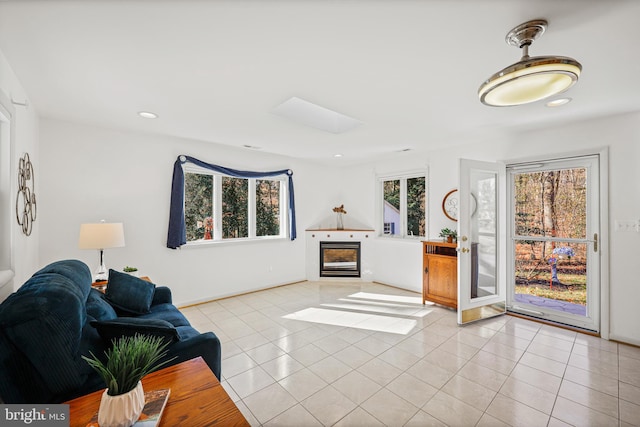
(177, 235)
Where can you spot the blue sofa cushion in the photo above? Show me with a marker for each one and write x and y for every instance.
(110, 330)
(98, 308)
(129, 293)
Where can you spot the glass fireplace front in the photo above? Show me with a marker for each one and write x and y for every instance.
(339, 259)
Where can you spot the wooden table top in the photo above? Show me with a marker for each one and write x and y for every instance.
(196, 399)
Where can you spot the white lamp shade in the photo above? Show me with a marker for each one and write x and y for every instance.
(101, 235)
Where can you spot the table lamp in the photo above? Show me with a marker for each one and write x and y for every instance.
(101, 236)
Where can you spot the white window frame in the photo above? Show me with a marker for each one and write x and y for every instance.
(217, 208)
(403, 177)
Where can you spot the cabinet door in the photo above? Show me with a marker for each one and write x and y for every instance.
(443, 280)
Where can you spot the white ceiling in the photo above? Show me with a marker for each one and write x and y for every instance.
(408, 70)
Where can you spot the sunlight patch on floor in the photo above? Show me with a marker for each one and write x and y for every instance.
(379, 307)
(385, 297)
(371, 322)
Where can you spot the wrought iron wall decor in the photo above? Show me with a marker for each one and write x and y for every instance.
(26, 206)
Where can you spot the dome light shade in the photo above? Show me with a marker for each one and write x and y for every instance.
(532, 78)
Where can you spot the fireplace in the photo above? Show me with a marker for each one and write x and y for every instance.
(339, 259)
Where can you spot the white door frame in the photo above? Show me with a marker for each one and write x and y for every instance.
(603, 226)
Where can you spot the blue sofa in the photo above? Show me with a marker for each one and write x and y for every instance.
(56, 316)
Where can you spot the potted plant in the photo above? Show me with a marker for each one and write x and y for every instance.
(449, 235)
(131, 270)
(130, 359)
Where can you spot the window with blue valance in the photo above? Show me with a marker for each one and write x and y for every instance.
(177, 235)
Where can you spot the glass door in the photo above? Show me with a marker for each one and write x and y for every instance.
(553, 244)
(481, 242)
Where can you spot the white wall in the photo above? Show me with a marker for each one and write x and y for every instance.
(24, 140)
(89, 174)
(399, 263)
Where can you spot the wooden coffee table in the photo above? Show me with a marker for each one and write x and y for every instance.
(196, 399)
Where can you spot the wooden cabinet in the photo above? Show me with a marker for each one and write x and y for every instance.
(440, 273)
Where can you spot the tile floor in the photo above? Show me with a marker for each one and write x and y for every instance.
(364, 354)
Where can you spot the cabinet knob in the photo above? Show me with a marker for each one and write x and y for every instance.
(426, 270)
(464, 238)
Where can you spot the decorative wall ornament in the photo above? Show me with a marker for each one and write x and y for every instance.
(26, 206)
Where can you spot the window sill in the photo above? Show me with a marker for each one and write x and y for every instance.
(226, 242)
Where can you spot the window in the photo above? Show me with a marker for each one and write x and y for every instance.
(404, 205)
(220, 207)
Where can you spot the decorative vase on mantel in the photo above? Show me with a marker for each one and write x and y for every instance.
(122, 410)
(339, 210)
(339, 223)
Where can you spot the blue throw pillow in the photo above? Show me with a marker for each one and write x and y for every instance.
(129, 293)
(98, 307)
(110, 330)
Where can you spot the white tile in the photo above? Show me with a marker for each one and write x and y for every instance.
(592, 380)
(496, 363)
(578, 415)
(353, 356)
(294, 417)
(373, 345)
(330, 369)
(269, 402)
(486, 377)
(543, 364)
(265, 353)
(356, 387)
(412, 390)
(515, 413)
(399, 358)
(379, 371)
(328, 405)
(549, 352)
(309, 354)
(237, 364)
(282, 367)
(469, 392)
(536, 378)
(303, 384)
(430, 374)
(586, 396)
(529, 395)
(357, 418)
(452, 411)
(630, 412)
(495, 372)
(389, 408)
(422, 419)
(250, 381)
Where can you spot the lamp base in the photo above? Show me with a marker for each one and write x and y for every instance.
(102, 273)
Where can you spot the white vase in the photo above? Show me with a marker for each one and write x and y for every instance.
(122, 410)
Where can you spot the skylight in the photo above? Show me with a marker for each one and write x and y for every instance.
(310, 114)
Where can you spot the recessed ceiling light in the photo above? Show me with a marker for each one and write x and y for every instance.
(558, 102)
(147, 114)
(337, 155)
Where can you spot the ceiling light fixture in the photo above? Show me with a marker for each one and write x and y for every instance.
(337, 155)
(532, 78)
(147, 114)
